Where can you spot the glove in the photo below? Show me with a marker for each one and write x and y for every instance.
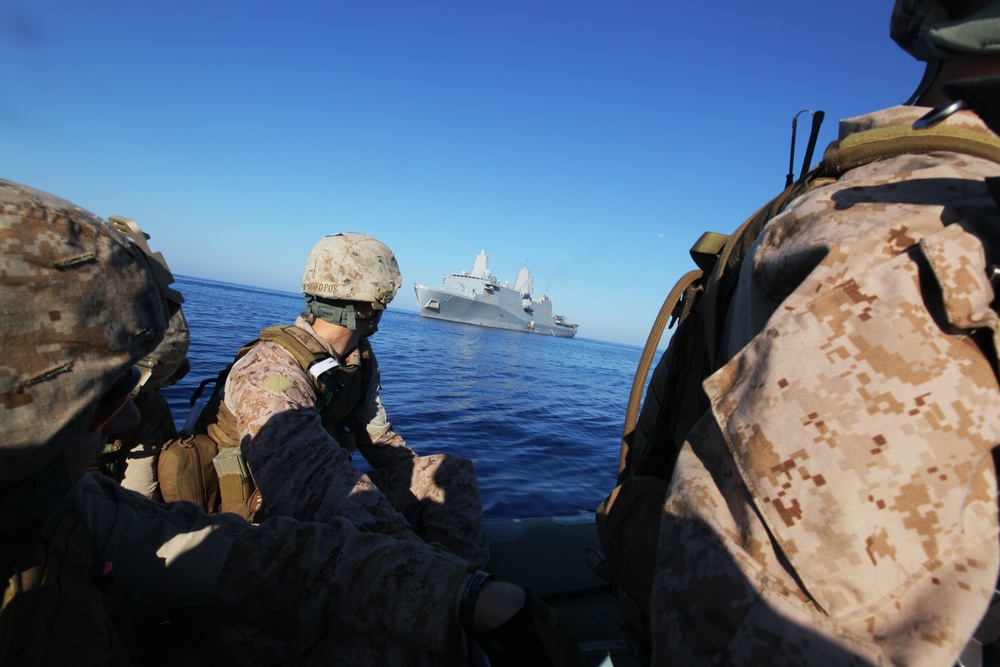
(535, 635)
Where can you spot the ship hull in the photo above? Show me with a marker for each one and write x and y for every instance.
(499, 308)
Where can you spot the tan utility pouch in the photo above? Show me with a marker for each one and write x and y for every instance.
(185, 471)
(236, 484)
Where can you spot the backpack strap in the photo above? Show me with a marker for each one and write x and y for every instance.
(887, 142)
(668, 308)
(302, 345)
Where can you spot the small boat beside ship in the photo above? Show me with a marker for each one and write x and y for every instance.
(477, 297)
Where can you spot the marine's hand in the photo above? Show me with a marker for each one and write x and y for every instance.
(535, 635)
(497, 603)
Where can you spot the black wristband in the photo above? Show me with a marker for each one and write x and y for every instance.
(467, 605)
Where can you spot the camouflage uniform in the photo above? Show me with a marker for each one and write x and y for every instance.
(344, 595)
(80, 306)
(837, 504)
(303, 473)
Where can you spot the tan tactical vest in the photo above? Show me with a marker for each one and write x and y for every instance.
(339, 392)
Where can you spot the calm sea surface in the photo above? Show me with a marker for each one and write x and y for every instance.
(540, 417)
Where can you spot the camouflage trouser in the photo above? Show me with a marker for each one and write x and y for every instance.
(439, 496)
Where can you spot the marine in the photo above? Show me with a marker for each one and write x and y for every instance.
(131, 457)
(94, 572)
(836, 502)
(303, 397)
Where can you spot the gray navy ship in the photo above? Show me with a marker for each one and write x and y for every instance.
(476, 297)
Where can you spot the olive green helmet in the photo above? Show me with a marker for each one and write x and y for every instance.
(79, 305)
(352, 267)
(939, 29)
(935, 30)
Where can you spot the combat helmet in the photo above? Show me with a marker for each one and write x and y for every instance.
(346, 269)
(352, 267)
(168, 363)
(79, 305)
(935, 30)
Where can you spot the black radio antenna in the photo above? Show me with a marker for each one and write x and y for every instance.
(817, 120)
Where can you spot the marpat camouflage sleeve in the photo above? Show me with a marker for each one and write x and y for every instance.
(303, 472)
(838, 505)
(300, 469)
(339, 588)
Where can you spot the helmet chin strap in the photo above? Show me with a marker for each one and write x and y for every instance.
(930, 73)
(345, 315)
(341, 315)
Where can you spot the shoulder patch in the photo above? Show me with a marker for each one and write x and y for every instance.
(277, 384)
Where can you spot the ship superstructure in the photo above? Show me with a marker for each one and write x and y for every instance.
(477, 297)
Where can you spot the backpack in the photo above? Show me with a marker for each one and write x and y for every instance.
(629, 518)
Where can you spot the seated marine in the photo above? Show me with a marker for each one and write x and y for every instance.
(90, 569)
(302, 398)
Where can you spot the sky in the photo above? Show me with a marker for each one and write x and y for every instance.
(593, 139)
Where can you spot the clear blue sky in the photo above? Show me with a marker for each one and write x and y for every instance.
(594, 139)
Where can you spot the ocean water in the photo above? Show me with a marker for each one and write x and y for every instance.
(540, 417)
